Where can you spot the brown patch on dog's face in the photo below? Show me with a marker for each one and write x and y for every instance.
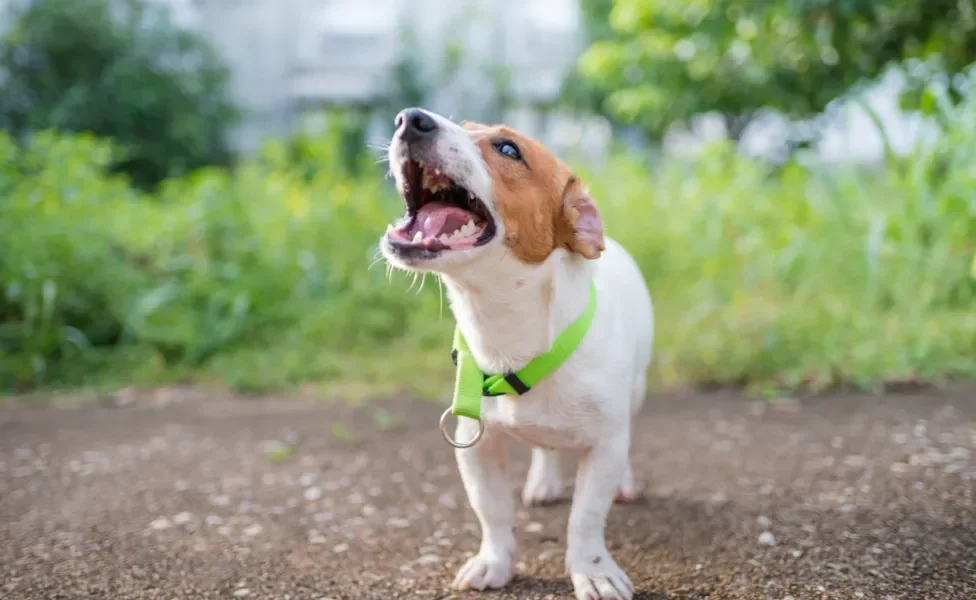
(540, 202)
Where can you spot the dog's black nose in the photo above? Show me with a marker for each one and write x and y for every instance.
(415, 123)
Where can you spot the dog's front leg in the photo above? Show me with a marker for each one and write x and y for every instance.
(594, 573)
(493, 499)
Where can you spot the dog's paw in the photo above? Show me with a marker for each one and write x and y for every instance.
(541, 489)
(484, 572)
(599, 578)
(628, 490)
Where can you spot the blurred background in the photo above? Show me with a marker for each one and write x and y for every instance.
(194, 190)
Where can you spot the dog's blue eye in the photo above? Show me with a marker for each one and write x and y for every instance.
(510, 150)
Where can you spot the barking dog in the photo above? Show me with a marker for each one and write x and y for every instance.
(520, 247)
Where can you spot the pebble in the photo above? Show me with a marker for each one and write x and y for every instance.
(766, 539)
(252, 530)
(160, 524)
(533, 527)
(242, 593)
(428, 559)
(398, 523)
(764, 521)
(182, 518)
(340, 548)
(313, 493)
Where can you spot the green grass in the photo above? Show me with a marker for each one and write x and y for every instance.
(259, 279)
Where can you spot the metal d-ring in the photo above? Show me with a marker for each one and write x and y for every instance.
(455, 443)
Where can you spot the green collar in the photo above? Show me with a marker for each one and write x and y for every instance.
(471, 384)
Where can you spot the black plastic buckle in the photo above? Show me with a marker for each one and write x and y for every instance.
(517, 384)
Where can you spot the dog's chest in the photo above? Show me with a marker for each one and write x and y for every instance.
(544, 418)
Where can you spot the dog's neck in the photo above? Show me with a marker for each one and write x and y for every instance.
(509, 318)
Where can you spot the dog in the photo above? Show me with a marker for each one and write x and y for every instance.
(518, 243)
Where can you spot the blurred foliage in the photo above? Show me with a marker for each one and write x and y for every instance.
(664, 62)
(118, 69)
(260, 277)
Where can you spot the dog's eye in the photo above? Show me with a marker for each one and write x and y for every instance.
(509, 149)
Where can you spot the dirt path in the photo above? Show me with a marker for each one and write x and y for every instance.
(176, 495)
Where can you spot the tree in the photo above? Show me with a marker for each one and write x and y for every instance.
(119, 69)
(665, 61)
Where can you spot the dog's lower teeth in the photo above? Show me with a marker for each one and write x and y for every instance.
(418, 237)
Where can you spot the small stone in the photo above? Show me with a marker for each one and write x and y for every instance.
(533, 527)
(369, 510)
(252, 530)
(788, 598)
(182, 518)
(766, 539)
(340, 548)
(160, 524)
(316, 538)
(699, 567)
(241, 593)
(428, 559)
(313, 493)
(213, 520)
(764, 521)
(399, 523)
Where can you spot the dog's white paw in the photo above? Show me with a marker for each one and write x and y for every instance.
(599, 578)
(628, 490)
(484, 572)
(542, 488)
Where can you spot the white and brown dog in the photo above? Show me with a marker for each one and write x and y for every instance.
(518, 241)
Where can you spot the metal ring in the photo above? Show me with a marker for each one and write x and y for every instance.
(455, 443)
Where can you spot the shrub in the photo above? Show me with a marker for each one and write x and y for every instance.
(118, 69)
(259, 277)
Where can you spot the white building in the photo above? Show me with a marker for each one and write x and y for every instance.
(289, 56)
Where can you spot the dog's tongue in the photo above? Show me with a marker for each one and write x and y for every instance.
(435, 219)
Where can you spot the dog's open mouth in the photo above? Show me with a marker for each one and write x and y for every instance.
(441, 215)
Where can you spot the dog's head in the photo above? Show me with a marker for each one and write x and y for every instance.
(476, 193)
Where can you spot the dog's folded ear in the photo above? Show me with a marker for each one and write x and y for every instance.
(581, 228)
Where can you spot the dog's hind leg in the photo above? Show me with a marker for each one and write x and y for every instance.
(628, 491)
(544, 483)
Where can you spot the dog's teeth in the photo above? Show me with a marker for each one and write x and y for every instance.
(389, 228)
(444, 238)
(418, 237)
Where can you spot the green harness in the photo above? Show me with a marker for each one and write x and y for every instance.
(471, 384)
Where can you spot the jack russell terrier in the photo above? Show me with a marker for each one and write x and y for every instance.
(554, 323)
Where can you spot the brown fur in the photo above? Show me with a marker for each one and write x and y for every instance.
(542, 204)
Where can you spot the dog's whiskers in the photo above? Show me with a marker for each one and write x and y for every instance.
(440, 298)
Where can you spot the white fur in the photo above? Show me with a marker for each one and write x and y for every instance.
(510, 312)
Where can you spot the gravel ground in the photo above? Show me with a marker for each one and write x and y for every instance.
(179, 494)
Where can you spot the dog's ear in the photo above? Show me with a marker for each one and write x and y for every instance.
(581, 228)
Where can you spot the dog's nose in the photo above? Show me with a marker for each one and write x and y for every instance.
(415, 123)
